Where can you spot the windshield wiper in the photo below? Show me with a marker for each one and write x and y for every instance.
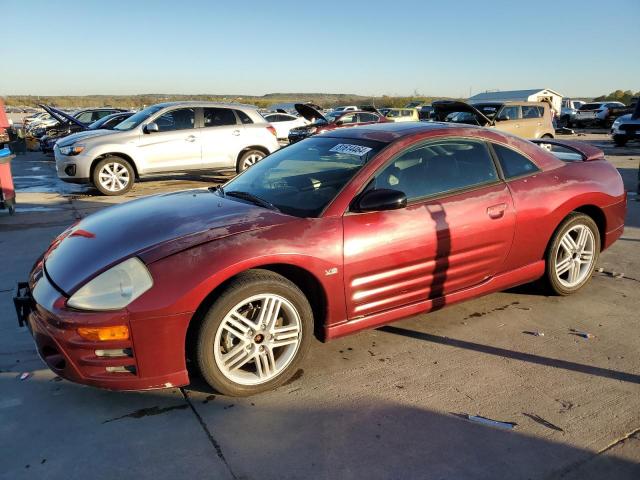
(252, 198)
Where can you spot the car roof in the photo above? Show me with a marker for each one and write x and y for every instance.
(195, 103)
(391, 131)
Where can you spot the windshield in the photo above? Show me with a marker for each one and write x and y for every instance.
(135, 120)
(303, 178)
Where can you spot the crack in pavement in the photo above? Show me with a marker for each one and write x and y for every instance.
(580, 463)
(212, 440)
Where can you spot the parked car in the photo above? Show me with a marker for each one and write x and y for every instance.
(425, 112)
(598, 113)
(402, 115)
(343, 231)
(526, 119)
(568, 111)
(319, 123)
(163, 138)
(348, 108)
(627, 128)
(283, 122)
(109, 122)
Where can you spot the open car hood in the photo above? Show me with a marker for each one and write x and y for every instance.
(63, 117)
(442, 108)
(309, 113)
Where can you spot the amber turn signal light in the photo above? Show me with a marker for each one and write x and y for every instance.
(102, 334)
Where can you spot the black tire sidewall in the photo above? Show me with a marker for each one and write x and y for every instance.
(98, 167)
(245, 287)
(571, 221)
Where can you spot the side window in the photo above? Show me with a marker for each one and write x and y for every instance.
(219, 117)
(367, 117)
(439, 167)
(350, 118)
(531, 111)
(181, 119)
(246, 120)
(510, 112)
(513, 163)
(85, 117)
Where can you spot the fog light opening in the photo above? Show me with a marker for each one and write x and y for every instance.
(124, 369)
(70, 170)
(115, 352)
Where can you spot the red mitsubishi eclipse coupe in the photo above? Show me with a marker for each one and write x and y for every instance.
(343, 231)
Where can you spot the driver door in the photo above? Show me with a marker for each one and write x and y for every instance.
(175, 146)
(455, 232)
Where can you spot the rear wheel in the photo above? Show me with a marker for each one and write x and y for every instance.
(255, 335)
(249, 158)
(113, 176)
(573, 254)
(620, 141)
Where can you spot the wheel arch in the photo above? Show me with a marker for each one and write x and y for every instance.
(124, 156)
(260, 148)
(306, 281)
(592, 211)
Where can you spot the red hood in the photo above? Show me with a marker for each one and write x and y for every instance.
(174, 221)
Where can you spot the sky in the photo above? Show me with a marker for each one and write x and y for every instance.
(443, 48)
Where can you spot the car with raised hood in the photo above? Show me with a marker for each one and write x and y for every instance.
(319, 123)
(627, 128)
(343, 231)
(165, 138)
(108, 122)
(529, 120)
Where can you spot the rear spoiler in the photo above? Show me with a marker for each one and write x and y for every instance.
(588, 152)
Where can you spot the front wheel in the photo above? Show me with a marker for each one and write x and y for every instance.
(113, 176)
(573, 254)
(249, 158)
(255, 335)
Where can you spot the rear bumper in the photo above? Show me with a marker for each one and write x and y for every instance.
(66, 353)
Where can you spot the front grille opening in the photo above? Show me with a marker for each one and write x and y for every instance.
(53, 357)
(115, 352)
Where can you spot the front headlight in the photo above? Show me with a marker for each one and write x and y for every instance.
(616, 124)
(114, 289)
(72, 149)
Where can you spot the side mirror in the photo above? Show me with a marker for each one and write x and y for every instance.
(379, 200)
(151, 127)
(502, 118)
(339, 123)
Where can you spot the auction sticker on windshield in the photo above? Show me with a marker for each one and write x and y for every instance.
(350, 149)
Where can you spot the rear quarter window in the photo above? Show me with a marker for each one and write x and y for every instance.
(513, 164)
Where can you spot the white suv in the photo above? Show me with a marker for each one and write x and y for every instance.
(163, 138)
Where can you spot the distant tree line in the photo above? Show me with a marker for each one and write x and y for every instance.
(618, 96)
(325, 100)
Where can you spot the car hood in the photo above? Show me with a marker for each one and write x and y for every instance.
(442, 108)
(71, 139)
(309, 113)
(63, 117)
(151, 227)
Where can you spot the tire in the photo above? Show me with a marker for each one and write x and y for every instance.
(547, 135)
(249, 158)
(620, 141)
(113, 176)
(569, 265)
(244, 360)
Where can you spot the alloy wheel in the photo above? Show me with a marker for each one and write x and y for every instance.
(251, 159)
(575, 256)
(257, 339)
(114, 177)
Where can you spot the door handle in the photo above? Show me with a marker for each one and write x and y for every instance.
(191, 138)
(236, 132)
(496, 211)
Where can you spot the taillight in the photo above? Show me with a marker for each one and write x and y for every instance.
(272, 130)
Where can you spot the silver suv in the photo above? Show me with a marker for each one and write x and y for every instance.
(163, 138)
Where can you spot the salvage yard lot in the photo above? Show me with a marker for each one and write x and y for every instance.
(385, 403)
